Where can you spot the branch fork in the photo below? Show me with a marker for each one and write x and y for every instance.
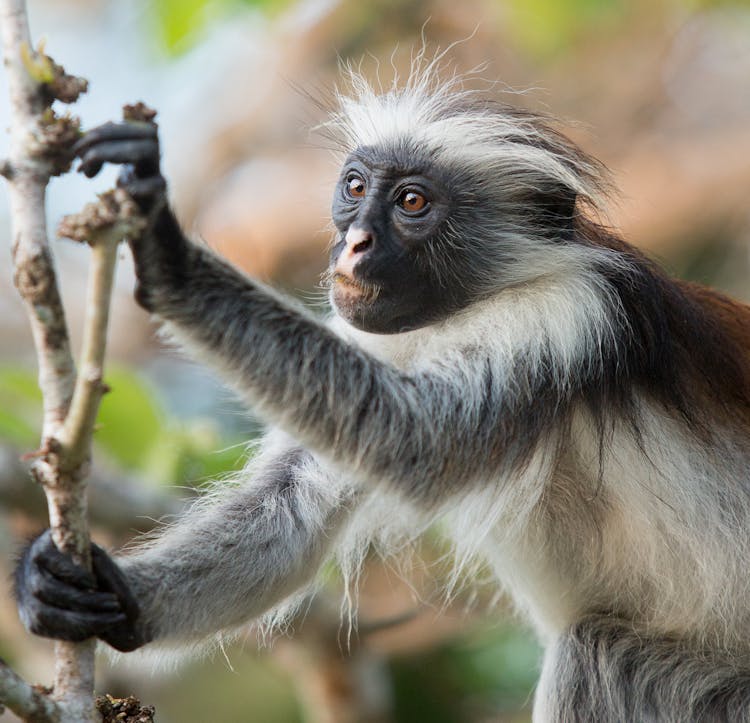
(41, 142)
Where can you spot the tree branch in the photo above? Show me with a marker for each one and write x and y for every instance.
(75, 436)
(26, 701)
(30, 168)
(40, 147)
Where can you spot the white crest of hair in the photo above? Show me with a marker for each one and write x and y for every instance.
(434, 109)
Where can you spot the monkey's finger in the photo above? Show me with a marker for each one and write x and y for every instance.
(55, 594)
(74, 626)
(115, 132)
(143, 154)
(111, 578)
(141, 188)
(61, 566)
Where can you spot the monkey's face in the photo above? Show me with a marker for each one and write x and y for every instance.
(388, 268)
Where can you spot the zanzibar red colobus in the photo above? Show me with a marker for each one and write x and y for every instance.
(497, 360)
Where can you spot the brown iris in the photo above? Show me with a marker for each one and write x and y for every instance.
(356, 187)
(412, 201)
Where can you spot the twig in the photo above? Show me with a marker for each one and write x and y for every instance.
(102, 225)
(26, 701)
(75, 436)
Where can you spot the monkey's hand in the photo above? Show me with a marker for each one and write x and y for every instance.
(59, 599)
(135, 144)
(161, 252)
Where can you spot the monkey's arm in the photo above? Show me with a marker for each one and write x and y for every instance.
(227, 560)
(333, 397)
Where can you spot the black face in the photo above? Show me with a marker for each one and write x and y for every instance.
(400, 278)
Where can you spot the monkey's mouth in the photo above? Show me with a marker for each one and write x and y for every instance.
(354, 290)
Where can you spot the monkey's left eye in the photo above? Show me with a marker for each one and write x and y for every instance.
(355, 187)
(412, 201)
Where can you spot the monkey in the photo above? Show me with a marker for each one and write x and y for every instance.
(497, 358)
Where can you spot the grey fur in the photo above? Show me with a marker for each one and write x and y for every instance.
(606, 671)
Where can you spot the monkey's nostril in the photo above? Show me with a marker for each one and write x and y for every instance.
(362, 245)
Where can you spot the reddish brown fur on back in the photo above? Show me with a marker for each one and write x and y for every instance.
(733, 315)
(687, 346)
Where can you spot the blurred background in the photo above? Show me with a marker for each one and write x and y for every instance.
(657, 89)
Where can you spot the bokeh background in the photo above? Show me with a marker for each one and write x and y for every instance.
(657, 89)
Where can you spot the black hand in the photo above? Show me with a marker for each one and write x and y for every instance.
(160, 252)
(132, 143)
(59, 599)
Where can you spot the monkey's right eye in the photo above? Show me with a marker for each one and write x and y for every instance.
(355, 187)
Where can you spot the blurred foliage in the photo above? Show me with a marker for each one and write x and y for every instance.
(20, 407)
(542, 27)
(254, 689)
(489, 672)
(130, 422)
(716, 3)
(136, 431)
(133, 429)
(547, 26)
(178, 24)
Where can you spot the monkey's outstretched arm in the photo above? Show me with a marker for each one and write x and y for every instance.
(333, 397)
(226, 561)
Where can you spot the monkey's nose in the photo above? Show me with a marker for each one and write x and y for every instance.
(358, 242)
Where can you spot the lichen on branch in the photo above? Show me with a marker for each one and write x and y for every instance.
(114, 214)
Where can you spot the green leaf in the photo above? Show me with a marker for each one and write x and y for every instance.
(178, 23)
(130, 422)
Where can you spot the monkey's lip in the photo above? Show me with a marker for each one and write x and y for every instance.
(349, 286)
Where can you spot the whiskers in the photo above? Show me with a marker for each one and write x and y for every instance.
(367, 293)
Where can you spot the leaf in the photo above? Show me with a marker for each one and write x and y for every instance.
(130, 422)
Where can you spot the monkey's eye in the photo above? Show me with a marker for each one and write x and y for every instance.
(355, 187)
(412, 201)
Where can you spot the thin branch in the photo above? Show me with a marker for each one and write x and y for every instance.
(75, 436)
(102, 225)
(30, 171)
(40, 147)
(26, 701)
